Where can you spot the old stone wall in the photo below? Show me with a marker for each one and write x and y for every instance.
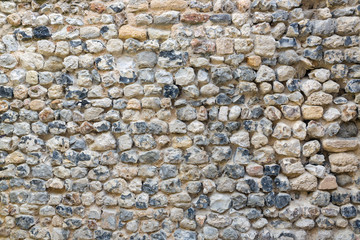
(179, 119)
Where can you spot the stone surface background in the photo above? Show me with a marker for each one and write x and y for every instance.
(179, 119)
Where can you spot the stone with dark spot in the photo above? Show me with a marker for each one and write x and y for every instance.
(234, 171)
(286, 42)
(171, 91)
(353, 86)
(64, 79)
(272, 170)
(220, 18)
(64, 211)
(293, 85)
(104, 29)
(243, 73)
(282, 200)
(348, 211)
(203, 202)
(6, 92)
(150, 186)
(223, 99)
(347, 130)
(172, 59)
(41, 32)
(314, 53)
(24, 222)
(267, 184)
(270, 199)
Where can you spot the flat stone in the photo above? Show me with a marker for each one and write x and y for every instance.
(340, 144)
(343, 162)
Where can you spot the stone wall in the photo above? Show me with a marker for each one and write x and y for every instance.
(179, 119)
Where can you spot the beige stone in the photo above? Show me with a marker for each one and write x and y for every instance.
(343, 162)
(224, 46)
(312, 112)
(181, 142)
(319, 98)
(37, 105)
(15, 158)
(168, 4)
(264, 45)
(328, 183)
(127, 31)
(305, 182)
(292, 167)
(291, 147)
(340, 144)
(32, 77)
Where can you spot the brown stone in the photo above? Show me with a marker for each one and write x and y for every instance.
(4, 106)
(98, 7)
(14, 19)
(243, 5)
(86, 128)
(46, 115)
(340, 144)
(343, 162)
(194, 18)
(253, 61)
(328, 183)
(305, 182)
(202, 46)
(255, 170)
(348, 112)
(127, 31)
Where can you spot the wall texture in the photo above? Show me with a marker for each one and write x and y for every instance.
(179, 119)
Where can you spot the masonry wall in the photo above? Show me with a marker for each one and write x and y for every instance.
(179, 119)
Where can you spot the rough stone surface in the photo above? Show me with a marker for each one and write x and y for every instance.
(179, 119)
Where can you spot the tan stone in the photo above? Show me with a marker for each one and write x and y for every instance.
(169, 4)
(264, 45)
(312, 112)
(32, 77)
(328, 183)
(132, 32)
(37, 105)
(343, 162)
(292, 167)
(243, 5)
(340, 144)
(291, 147)
(224, 46)
(133, 104)
(55, 183)
(15, 158)
(181, 142)
(305, 182)
(319, 98)
(155, 33)
(4, 105)
(20, 92)
(253, 61)
(14, 19)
